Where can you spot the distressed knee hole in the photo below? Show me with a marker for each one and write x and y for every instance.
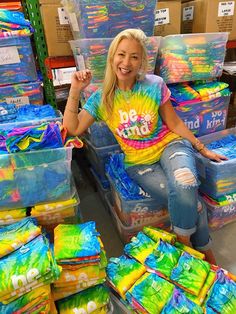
(185, 176)
(142, 172)
(176, 154)
(199, 207)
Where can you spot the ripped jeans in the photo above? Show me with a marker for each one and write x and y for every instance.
(173, 182)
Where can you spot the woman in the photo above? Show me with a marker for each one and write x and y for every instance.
(158, 147)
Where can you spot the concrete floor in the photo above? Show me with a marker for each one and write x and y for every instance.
(93, 208)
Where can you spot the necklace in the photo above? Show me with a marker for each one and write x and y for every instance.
(127, 95)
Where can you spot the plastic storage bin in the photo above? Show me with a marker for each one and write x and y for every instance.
(17, 64)
(22, 94)
(34, 177)
(217, 179)
(219, 216)
(135, 212)
(19, 124)
(91, 53)
(103, 186)
(98, 156)
(205, 117)
(106, 18)
(100, 135)
(125, 232)
(190, 57)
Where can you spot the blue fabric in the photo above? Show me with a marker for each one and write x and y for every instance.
(127, 187)
(225, 146)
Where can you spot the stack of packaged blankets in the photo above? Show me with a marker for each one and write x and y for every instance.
(79, 251)
(218, 181)
(156, 274)
(27, 268)
(202, 105)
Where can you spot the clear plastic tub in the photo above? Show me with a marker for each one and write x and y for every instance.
(22, 93)
(19, 124)
(106, 18)
(205, 117)
(219, 216)
(132, 213)
(126, 233)
(100, 135)
(91, 53)
(190, 57)
(217, 178)
(18, 64)
(103, 186)
(35, 177)
(98, 156)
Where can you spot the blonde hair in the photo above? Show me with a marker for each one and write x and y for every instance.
(110, 80)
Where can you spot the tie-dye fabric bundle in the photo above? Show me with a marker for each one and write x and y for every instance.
(8, 217)
(180, 304)
(92, 300)
(122, 273)
(14, 236)
(29, 267)
(190, 273)
(80, 251)
(222, 297)
(76, 241)
(28, 301)
(205, 289)
(140, 247)
(13, 23)
(150, 294)
(156, 234)
(163, 259)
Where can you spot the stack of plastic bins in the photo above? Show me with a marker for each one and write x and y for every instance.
(131, 216)
(18, 71)
(98, 156)
(218, 181)
(106, 18)
(91, 53)
(205, 117)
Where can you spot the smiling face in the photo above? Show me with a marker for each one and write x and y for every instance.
(127, 62)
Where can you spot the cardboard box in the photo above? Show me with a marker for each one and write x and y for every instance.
(209, 16)
(167, 17)
(56, 28)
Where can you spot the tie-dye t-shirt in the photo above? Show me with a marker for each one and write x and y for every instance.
(135, 121)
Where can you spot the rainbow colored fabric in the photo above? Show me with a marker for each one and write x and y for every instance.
(91, 300)
(123, 272)
(76, 241)
(135, 120)
(150, 287)
(15, 235)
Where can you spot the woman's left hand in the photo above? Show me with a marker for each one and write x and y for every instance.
(212, 155)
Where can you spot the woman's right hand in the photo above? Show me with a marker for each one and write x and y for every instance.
(81, 79)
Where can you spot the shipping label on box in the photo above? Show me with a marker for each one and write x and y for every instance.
(57, 30)
(167, 18)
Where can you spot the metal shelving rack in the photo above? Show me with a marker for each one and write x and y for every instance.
(31, 8)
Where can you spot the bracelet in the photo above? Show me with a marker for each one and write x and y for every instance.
(73, 111)
(198, 145)
(73, 97)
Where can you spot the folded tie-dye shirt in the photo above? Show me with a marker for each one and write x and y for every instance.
(135, 120)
